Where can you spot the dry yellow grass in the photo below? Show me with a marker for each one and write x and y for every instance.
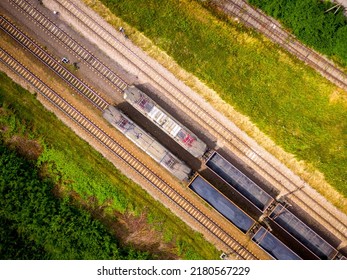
(338, 96)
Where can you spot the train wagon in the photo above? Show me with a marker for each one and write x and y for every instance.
(178, 132)
(239, 181)
(221, 203)
(273, 246)
(147, 143)
(301, 232)
(262, 237)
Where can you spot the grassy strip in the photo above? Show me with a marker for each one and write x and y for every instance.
(84, 174)
(290, 102)
(313, 23)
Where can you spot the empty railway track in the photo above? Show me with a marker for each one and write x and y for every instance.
(64, 39)
(35, 49)
(316, 209)
(260, 21)
(112, 145)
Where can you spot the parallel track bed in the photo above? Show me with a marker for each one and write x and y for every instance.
(53, 64)
(72, 45)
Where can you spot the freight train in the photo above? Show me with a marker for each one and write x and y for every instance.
(147, 143)
(237, 180)
(276, 212)
(261, 236)
(152, 111)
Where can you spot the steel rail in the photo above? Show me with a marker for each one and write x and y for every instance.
(35, 49)
(71, 44)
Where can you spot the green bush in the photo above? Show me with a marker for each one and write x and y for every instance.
(48, 228)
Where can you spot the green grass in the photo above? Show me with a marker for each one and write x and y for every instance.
(287, 100)
(84, 173)
(309, 21)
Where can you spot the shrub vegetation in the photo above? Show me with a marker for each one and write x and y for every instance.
(37, 225)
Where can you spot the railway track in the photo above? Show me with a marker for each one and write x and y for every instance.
(72, 45)
(47, 59)
(269, 27)
(112, 145)
(317, 209)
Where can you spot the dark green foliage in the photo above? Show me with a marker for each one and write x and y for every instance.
(309, 21)
(340, 47)
(37, 225)
(14, 245)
